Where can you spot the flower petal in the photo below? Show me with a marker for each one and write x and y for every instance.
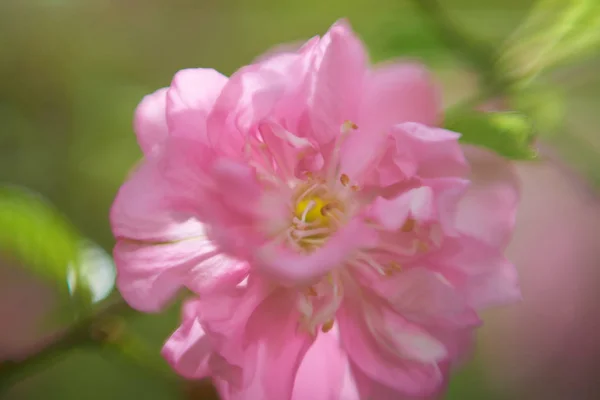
(340, 66)
(225, 314)
(142, 212)
(406, 377)
(393, 213)
(190, 99)
(479, 271)
(188, 350)
(398, 92)
(421, 294)
(159, 249)
(286, 149)
(488, 209)
(448, 192)
(360, 154)
(150, 274)
(150, 121)
(372, 389)
(254, 93)
(498, 287)
(419, 150)
(290, 267)
(274, 327)
(140, 220)
(323, 370)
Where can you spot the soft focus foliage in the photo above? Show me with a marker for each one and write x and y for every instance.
(556, 32)
(510, 134)
(38, 237)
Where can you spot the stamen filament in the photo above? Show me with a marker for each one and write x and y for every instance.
(370, 261)
(309, 207)
(307, 192)
(311, 232)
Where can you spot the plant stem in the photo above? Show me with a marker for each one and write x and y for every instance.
(91, 330)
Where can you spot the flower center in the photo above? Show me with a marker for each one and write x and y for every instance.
(312, 209)
(317, 214)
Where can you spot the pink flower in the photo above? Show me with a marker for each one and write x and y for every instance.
(326, 222)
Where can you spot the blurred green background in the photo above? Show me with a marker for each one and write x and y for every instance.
(73, 71)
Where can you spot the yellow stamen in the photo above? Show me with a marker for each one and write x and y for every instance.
(310, 209)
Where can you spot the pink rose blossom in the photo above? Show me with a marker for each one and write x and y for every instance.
(328, 226)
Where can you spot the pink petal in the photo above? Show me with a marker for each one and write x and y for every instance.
(498, 287)
(269, 89)
(323, 370)
(275, 326)
(220, 191)
(398, 92)
(291, 267)
(340, 65)
(150, 274)
(190, 99)
(448, 192)
(406, 377)
(216, 272)
(286, 148)
(141, 213)
(361, 151)
(291, 47)
(372, 389)
(188, 350)
(238, 185)
(392, 213)
(488, 210)
(479, 271)
(421, 295)
(323, 375)
(225, 315)
(160, 249)
(153, 249)
(418, 150)
(150, 121)
(398, 337)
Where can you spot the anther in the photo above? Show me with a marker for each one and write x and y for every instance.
(408, 226)
(422, 247)
(348, 126)
(326, 208)
(344, 179)
(393, 268)
(326, 327)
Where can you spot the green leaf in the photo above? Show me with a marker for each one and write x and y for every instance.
(554, 33)
(545, 105)
(510, 134)
(33, 232)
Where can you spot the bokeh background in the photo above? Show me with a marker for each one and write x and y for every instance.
(72, 72)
